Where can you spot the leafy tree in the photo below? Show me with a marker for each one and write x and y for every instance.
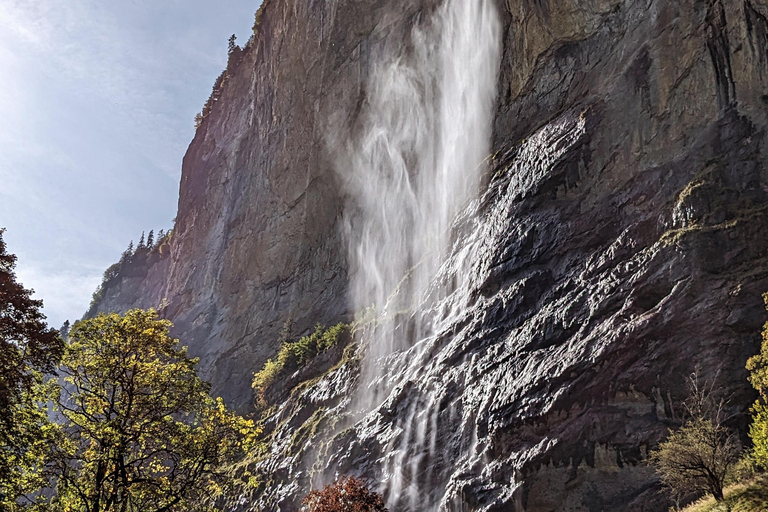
(702, 454)
(758, 431)
(28, 349)
(151, 238)
(144, 435)
(346, 495)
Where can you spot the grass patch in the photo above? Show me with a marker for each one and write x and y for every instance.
(751, 496)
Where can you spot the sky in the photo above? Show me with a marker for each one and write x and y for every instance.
(97, 106)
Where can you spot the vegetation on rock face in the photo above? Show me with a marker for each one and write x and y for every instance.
(28, 350)
(145, 254)
(294, 355)
(346, 495)
(235, 56)
(142, 432)
(257, 18)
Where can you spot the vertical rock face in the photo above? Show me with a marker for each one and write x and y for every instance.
(619, 244)
(257, 239)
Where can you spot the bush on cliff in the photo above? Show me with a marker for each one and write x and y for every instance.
(294, 355)
(346, 495)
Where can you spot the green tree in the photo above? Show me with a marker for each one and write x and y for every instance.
(758, 377)
(28, 350)
(151, 239)
(702, 453)
(143, 433)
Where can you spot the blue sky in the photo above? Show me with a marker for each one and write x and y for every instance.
(97, 101)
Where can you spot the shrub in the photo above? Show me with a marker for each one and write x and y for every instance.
(702, 454)
(257, 20)
(294, 355)
(346, 495)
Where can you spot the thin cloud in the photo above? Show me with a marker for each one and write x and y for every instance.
(97, 100)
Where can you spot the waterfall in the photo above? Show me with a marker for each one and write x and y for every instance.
(414, 163)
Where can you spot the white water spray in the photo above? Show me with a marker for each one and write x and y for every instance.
(418, 159)
(415, 164)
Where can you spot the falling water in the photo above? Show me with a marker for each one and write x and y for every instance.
(414, 165)
(418, 159)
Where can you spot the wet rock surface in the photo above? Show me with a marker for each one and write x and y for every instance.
(619, 244)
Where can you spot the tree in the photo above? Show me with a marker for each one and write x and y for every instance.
(141, 242)
(64, 329)
(699, 456)
(232, 44)
(28, 350)
(346, 495)
(143, 434)
(758, 377)
(151, 238)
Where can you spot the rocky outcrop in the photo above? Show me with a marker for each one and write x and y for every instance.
(619, 244)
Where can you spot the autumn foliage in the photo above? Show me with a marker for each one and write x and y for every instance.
(346, 495)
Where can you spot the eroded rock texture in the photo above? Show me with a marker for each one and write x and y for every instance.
(620, 243)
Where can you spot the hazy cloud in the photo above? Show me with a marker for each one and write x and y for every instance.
(97, 100)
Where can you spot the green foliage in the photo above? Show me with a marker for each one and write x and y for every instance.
(235, 56)
(702, 454)
(143, 434)
(258, 17)
(28, 350)
(697, 458)
(27, 438)
(758, 377)
(145, 253)
(297, 354)
(750, 496)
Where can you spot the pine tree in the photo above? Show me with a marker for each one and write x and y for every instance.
(160, 236)
(141, 242)
(151, 239)
(232, 44)
(64, 329)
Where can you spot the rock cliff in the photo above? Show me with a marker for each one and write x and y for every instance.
(619, 242)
